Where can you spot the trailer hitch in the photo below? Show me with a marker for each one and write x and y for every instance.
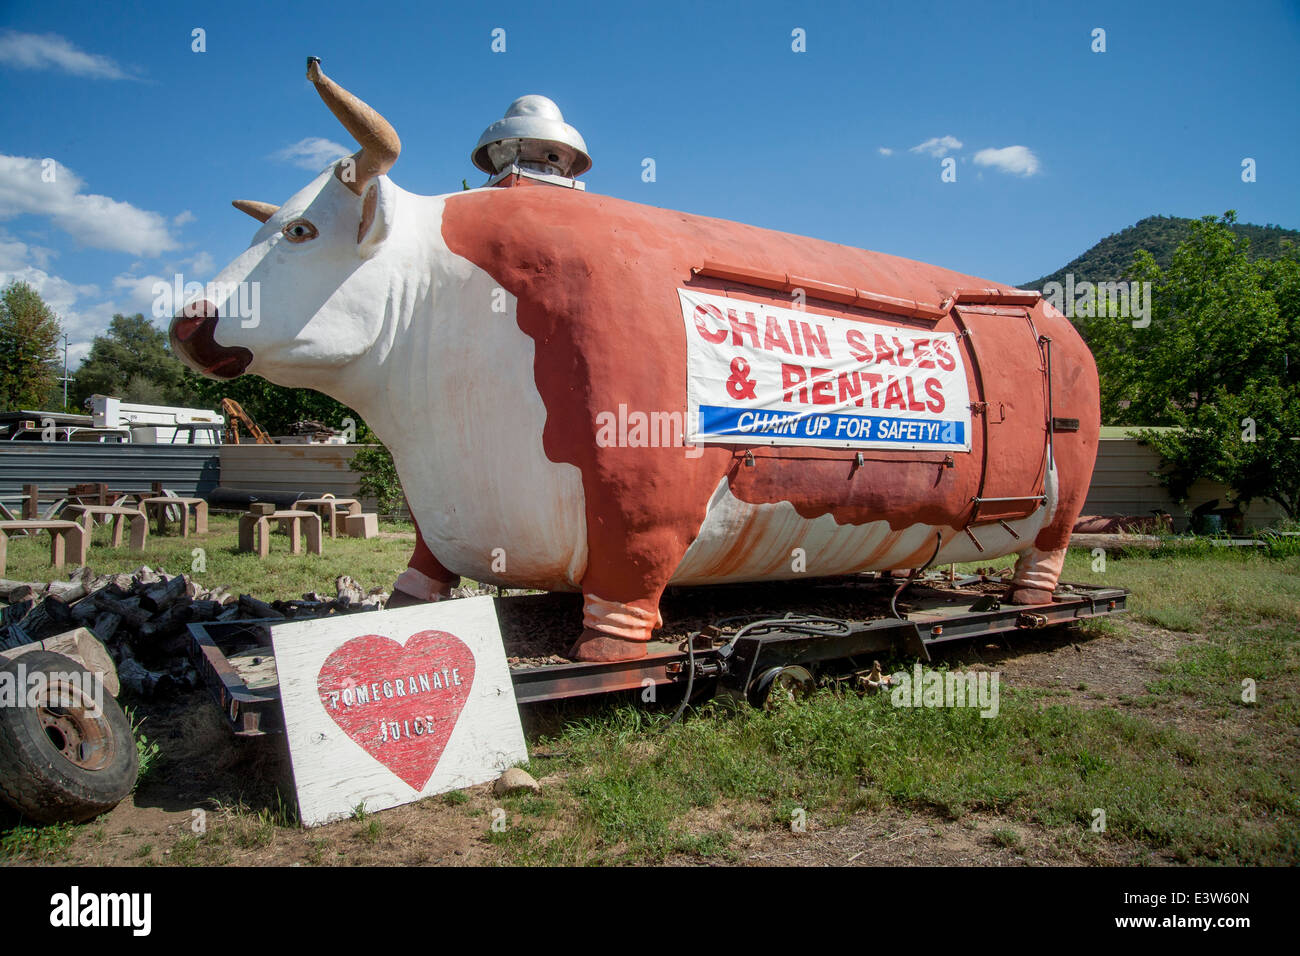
(1028, 619)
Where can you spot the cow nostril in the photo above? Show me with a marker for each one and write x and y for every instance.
(200, 309)
(192, 318)
(184, 328)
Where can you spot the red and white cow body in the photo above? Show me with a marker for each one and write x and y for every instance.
(491, 337)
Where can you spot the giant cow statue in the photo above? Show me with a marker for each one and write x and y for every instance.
(510, 345)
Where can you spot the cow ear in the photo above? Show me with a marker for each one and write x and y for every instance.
(376, 216)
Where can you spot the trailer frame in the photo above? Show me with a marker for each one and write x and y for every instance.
(745, 663)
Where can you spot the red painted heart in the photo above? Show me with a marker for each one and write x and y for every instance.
(400, 703)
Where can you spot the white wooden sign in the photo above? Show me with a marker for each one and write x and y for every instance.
(387, 707)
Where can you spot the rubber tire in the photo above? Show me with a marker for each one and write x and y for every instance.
(38, 781)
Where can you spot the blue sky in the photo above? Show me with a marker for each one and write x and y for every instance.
(843, 142)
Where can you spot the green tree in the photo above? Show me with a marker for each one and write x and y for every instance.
(379, 477)
(1215, 327)
(272, 406)
(29, 335)
(132, 361)
(1251, 443)
(1220, 360)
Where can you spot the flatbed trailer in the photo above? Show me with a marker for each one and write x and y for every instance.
(744, 656)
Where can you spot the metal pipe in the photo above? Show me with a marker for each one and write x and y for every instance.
(1051, 421)
(893, 601)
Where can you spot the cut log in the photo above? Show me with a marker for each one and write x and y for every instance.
(1116, 542)
(9, 588)
(120, 585)
(255, 608)
(167, 623)
(145, 576)
(57, 610)
(83, 612)
(25, 593)
(128, 610)
(161, 596)
(143, 681)
(204, 610)
(83, 647)
(349, 591)
(106, 625)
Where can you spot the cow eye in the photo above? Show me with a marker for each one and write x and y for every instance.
(300, 230)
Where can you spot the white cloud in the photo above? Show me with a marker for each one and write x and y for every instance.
(15, 254)
(83, 310)
(183, 218)
(885, 151)
(92, 220)
(81, 317)
(203, 264)
(139, 291)
(312, 153)
(1019, 160)
(49, 51)
(938, 146)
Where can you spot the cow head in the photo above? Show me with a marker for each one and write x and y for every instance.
(307, 297)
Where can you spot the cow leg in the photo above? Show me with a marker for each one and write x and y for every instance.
(614, 631)
(1037, 572)
(1038, 568)
(621, 589)
(1074, 395)
(424, 580)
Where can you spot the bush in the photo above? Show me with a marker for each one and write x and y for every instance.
(379, 479)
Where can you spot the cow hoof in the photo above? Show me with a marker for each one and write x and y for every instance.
(1030, 596)
(594, 646)
(402, 599)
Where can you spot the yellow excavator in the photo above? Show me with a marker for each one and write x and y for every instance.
(234, 415)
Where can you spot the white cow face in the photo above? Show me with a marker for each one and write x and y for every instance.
(310, 294)
(307, 297)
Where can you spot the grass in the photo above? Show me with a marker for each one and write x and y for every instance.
(373, 562)
(1050, 765)
(1008, 838)
(146, 749)
(1192, 769)
(1224, 790)
(38, 844)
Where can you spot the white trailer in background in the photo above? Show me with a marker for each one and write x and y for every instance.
(158, 424)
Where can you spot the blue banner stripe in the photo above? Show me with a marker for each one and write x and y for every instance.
(761, 425)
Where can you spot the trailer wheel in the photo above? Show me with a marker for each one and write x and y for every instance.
(61, 757)
(780, 685)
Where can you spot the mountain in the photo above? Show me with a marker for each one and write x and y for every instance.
(1160, 236)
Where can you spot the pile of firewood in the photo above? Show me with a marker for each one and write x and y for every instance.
(315, 431)
(141, 618)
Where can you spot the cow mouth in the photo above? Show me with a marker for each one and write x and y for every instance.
(191, 337)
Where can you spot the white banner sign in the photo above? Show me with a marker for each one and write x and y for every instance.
(762, 374)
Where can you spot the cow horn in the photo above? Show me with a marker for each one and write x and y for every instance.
(261, 211)
(379, 143)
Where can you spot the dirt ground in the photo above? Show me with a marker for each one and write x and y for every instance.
(207, 776)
